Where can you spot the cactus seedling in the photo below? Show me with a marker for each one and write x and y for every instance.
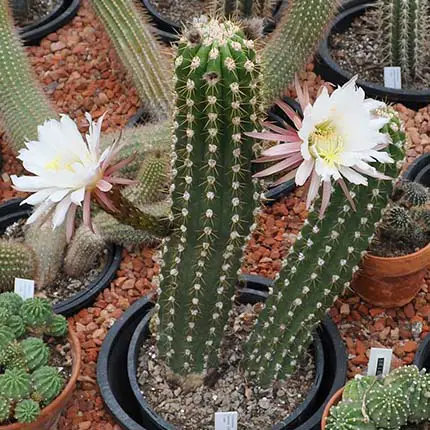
(27, 411)
(15, 384)
(47, 383)
(5, 407)
(36, 312)
(36, 353)
(348, 416)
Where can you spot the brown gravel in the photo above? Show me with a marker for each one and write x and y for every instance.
(79, 70)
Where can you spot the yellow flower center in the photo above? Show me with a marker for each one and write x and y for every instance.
(57, 164)
(326, 142)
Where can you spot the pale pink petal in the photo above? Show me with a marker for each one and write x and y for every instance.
(104, 186)
(282, 149)
(302, 94)
(304, 171)
(313, 188)
(70, 222)
(285, 178)
(120, 181)
(272, 127)
(119, 165)
(286, 137)
(291, 113)
(105, 200)
(325, 198)
(268, 159)
(283, 165)
(345, 190)
(87, 209)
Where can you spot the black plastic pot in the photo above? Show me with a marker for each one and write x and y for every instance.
(168, 30)
(31, 34)
(330, 359)
(422, 356)
(11, 212)
(419, 170)
(332, 72)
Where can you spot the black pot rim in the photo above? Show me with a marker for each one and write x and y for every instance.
(12, 210)
(33, 33)
(419, 170)
(331, 71)
(44, 19)
(422, 356)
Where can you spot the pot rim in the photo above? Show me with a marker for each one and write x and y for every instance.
(332, 402)
(54, 405)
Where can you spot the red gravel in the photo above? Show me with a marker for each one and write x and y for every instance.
(79, 70)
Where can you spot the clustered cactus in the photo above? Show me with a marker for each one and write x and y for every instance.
(404, 26)
(27, 381)
(218, 99)
(371, 403)
(243, 8)
(405, 226)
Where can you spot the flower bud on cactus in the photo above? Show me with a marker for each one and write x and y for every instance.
(27, 411)
(36, 312)
(47, 383)
(6, 336)
(57, 326)
(16, 261)
(15, 384)
(348, 416)
(36, 353)
(5, 408)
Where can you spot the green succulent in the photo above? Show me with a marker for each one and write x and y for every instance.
(36, 353)
(6, 336)
(36, 312)
(5, 315)
(357, 387)
(57, 326)
(13, 356)
(11, 301)
(16, 324)
(15, 384)
(27, 411)
(47, 382)
(410, 193)
(348, 415)
(5, 408)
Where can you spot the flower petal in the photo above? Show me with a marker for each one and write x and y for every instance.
(304, 171)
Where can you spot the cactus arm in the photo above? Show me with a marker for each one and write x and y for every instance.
(23, 106)
(310, 280)
(293, 42)
(131, 34)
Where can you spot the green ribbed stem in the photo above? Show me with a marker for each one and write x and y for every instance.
(243, 8)
(320, 265)
(214, 196)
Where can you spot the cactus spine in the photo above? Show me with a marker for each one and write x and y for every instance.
(217, 100)
(16, 261)
(404, 28)
(243, 8)
(320, 265)
(293, 41)
(23, 106)
(131, 34)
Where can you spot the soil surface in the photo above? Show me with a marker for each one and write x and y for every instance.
(359, 51)
(180, 11)
(193, 407)
(38, 10)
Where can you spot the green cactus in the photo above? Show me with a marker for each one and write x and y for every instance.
(49, 246)
(35, 351)
(217, 101)
(6, 336)
(11, 301)
(84, 250)
(419, 398)
(243, 8)
(142, 55)
(13, 356)
(36, 312)
(23, 106)
(16, 324)
(317, 270)
(421, 215)
(5, 315)
(348, 415)
(356, 388)
(410, 194)
(5, 408)
(403, 28)
(397, 223)
(27, 411)
(15, 384)
(47, 382)
(57, 327)
(292, 43)
(16, 261)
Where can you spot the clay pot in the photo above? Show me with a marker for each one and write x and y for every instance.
(337, 397)
(50, 415)
(391, 282)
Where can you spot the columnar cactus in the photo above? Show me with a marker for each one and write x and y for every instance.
(320, 265)
(16, 261)
(293, 42)
(217, 100)
(404, 29)
(136, 45)
(23, 106)
(243, 8)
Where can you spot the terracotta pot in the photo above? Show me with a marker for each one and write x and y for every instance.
(50, 415)
(337, 397)
(393, 281)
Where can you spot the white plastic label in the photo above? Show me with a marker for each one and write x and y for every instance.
(379, 361)
(225, 420)
(393, 77)
(24, 288)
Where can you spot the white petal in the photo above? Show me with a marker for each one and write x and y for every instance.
(78, 196)
(304, 171)
(38, 197)
(40, 210)
(59, 195)
(61, 212)
(353, 176)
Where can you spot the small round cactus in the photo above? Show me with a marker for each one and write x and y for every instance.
(397, 222)
(36, 312)
(421, 215)
(36, 352)
(58, 326)
(387, 406)
(15, 384)
(13, 356)
(402, 377)
(6, 336)
(419, 394)
(11, 301)
(411, 194)
(16, 324)
(27, 411)
(5, 408)
(356, 388)
(47, 383)
(348, 415)
(5, 315)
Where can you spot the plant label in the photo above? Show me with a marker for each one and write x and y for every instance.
(379, 362)
(393, 77)
(225, 420)
(24, 288)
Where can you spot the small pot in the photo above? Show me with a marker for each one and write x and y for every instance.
(169, 30)
(332, 402)
(50, 415)
(31, 34)
(332, 72)
(391, 282)
(11, 211)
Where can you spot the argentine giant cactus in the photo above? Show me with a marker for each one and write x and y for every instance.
(217, 100)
